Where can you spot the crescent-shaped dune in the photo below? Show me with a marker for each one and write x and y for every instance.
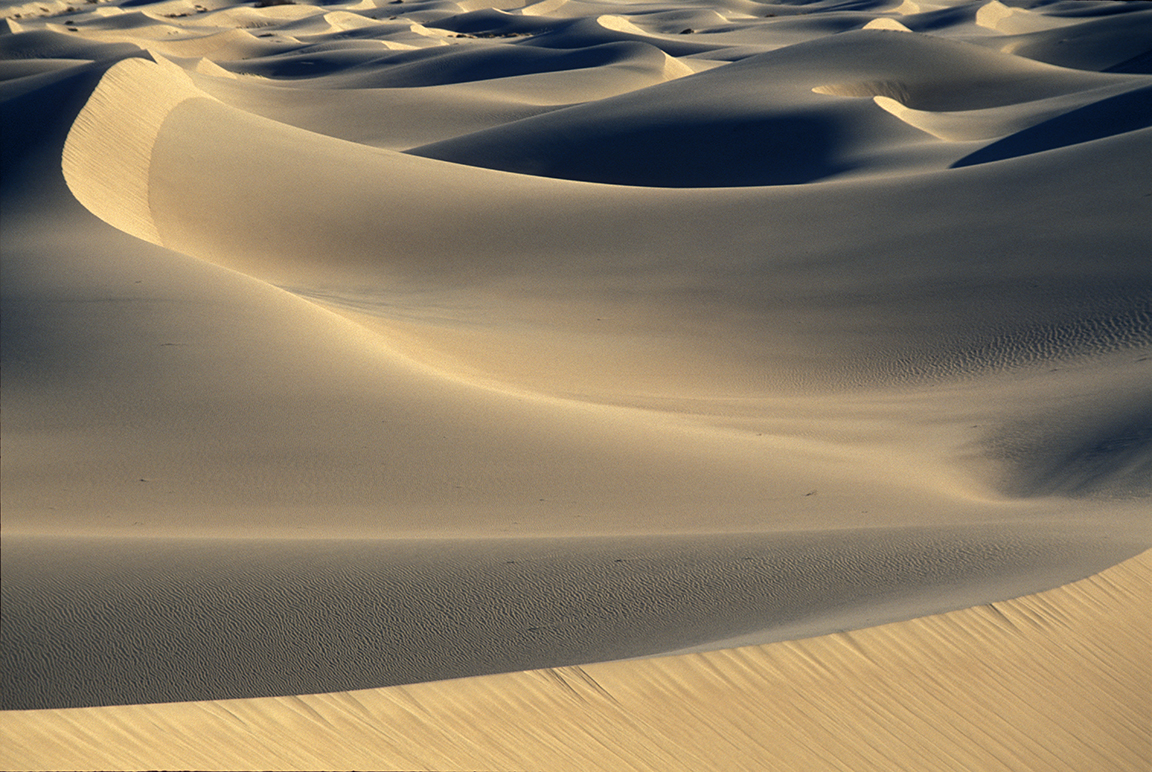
(572, 385)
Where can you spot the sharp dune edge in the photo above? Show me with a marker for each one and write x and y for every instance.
(576, 385)
(1060, 680)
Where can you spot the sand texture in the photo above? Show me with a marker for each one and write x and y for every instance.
(552, 384)
(1060, 680)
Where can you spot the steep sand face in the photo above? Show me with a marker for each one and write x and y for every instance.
(371, 343)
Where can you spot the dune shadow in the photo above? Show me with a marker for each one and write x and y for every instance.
(1110, 456)
(688, 153)
(438, 65)
(120, 621)
(1130, 111)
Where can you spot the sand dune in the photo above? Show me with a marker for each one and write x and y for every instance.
(304, 617)
(1055, 681)
(357, 345)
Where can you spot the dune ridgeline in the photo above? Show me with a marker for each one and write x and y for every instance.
(571, 384)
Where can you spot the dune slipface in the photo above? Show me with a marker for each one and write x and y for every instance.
(363, 345)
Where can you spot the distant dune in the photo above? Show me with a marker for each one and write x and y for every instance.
(466, 351)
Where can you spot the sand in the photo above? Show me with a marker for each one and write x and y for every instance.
(458, 351)
(1060, 680)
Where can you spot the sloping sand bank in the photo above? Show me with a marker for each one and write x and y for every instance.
(1060, 680)
(121, 621)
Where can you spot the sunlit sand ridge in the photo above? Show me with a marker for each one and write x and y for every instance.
(357, 345)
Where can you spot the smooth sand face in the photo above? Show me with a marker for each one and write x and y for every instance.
(355, 345)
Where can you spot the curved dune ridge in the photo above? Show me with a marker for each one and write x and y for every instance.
(609, 237)
(467, 351)
(119, 193)
(1055, 681)
(139, 621)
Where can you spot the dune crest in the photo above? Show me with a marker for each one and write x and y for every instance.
(438, 360)
(887, 23)
(1001, 18)
(118, 192)
(1023, 682)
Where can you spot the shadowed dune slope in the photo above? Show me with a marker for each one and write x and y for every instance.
(1112, 43)
(754, 268)
(1055, 681)
(753, 122)
(1129, 111)
(432, 67)
(146, 620)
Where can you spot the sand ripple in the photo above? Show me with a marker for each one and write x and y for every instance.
(141, 621)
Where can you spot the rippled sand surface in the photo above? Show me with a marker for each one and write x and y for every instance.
(360, 346)
(1060, 680)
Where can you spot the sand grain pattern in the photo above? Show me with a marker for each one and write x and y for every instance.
(1055, 681)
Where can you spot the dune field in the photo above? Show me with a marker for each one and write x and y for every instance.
(576, 384)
